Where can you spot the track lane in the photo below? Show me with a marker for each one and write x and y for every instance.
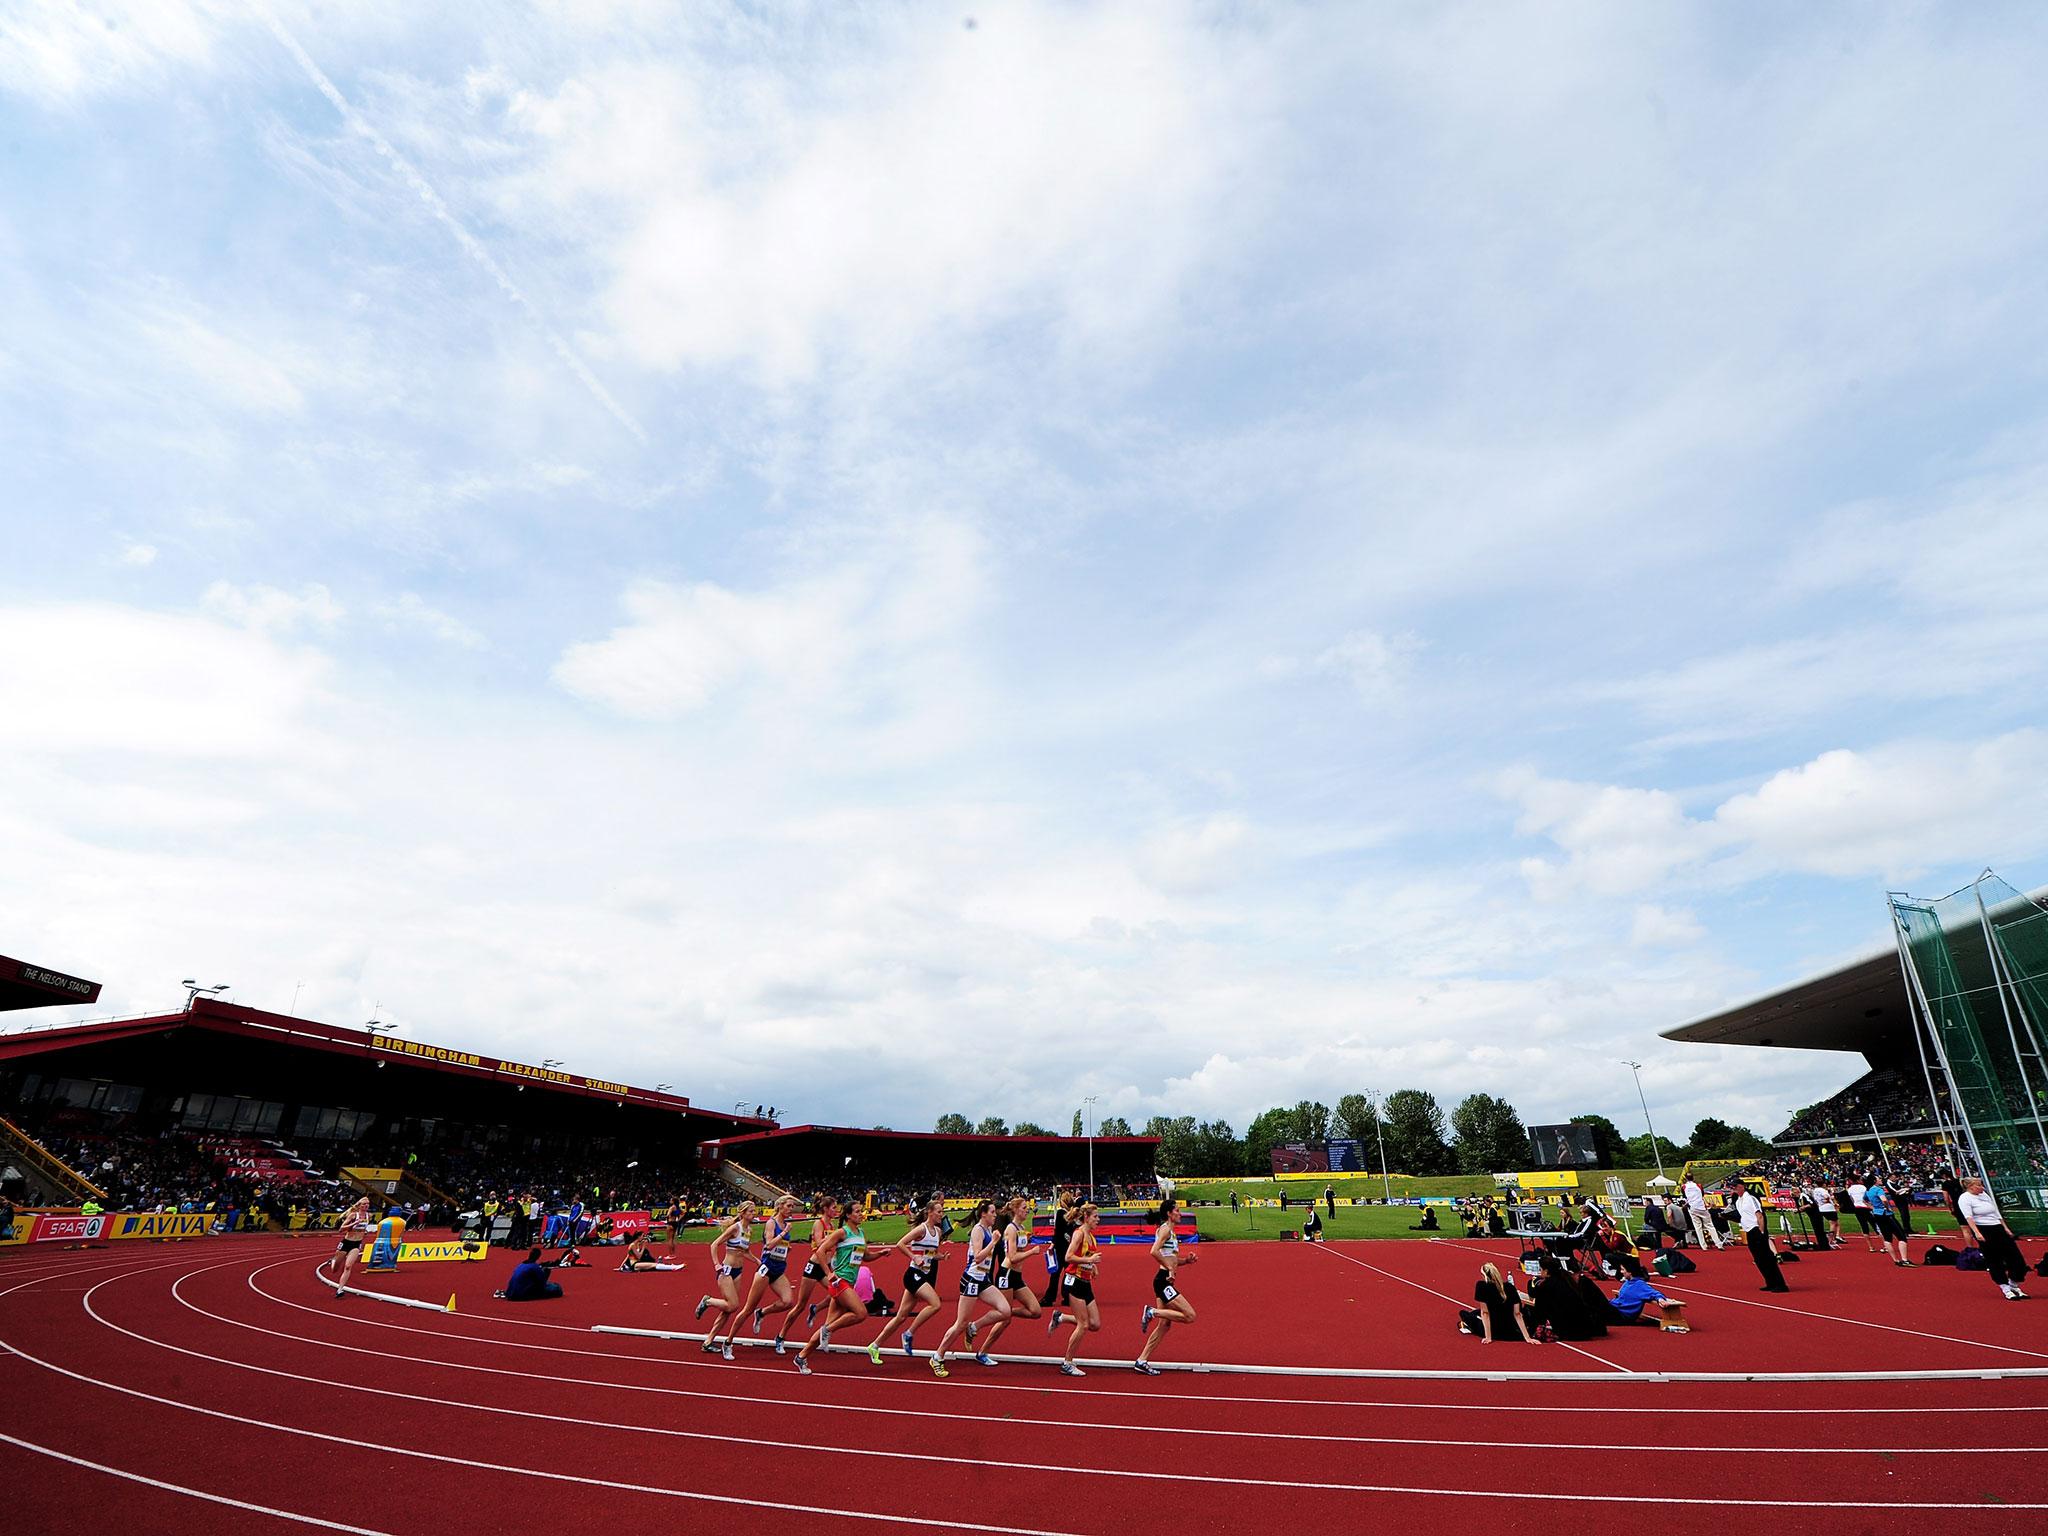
(1070, 1470)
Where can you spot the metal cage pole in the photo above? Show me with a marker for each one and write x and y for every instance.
(2001, 980)
(1918, 992)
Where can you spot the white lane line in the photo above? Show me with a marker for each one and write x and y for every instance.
(1575, 1496)
(1832, 1317)
(178, 1295)
(983, 1385)
(189, 1493)
(1432, 1291)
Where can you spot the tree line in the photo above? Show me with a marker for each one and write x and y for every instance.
(1481, 1134)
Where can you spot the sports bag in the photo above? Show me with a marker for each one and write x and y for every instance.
(1971, 1258)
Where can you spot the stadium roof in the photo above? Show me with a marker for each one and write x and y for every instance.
(33, 986)
(213, 1017)
(783, 1133)
(1861, 1006)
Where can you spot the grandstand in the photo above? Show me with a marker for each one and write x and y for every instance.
(1950, 1020)
(230, 1106)
(899, 1165)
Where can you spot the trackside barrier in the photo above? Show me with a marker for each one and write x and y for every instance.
(1204, 1368)
(396, 1301)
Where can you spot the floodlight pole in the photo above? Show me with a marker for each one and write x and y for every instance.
(1088, 1104)
(1655, 1151)
(1379, 1132)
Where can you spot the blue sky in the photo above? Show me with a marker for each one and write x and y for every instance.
(844, 559)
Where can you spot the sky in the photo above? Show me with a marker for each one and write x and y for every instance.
(883, 560)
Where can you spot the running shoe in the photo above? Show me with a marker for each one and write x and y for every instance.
(337, 1293)
(702, 1303)
(824, 1337)
(875, 1353)
(1052, 1324)
(811, 1315)
(780, 1347)
(726, 1353)
(985, 1358)
(710, 1346)
(939, 1368)
(970, 1329)
(1145, 1368)
(1068, 1368)
(803, 1366)
(759, 1313)
(909, 1349)
(1145, 1319)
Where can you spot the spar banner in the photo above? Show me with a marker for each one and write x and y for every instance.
(628, 1223)
(454, 1251)
(52, 1227)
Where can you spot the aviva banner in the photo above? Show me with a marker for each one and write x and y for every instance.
(452, 1252)
(161, 1224)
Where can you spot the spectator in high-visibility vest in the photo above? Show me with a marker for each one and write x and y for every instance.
(91, 1207)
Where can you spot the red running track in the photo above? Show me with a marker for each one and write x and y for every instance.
(221, 1387)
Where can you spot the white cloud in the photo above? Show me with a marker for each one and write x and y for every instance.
(906, 181)
(97, 678)
(835, 640)
(410, 611)
(1196, 855)
(272, 610)
(257, 378)
(139, 555)
(1654, 927)
(58, 51)
(1891, 812)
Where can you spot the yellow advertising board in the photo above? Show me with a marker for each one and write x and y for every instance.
(452, 1252)
(162, 1224)
(1549, 1178)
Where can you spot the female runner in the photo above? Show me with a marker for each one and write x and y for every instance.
(1056, 1256)
(1016, 1247)
(1077, 1286)
(769, 1275)
(923, 1243)
(355, 1226)
(1173, 1307)
(731, 1254)
(840, 1255)
(824, 1217)
(977, 1283)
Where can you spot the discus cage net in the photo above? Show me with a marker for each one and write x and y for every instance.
(1975, 964)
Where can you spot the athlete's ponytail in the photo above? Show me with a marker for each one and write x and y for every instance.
(1167, 1206)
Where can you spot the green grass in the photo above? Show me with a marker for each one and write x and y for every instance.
(1368, 1186)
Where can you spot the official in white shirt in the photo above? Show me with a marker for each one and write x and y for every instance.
(1985, 1226)
(1750, 1211)
(1703, 1230)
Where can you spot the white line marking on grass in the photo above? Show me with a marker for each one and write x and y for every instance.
(1432, 1291)
(1832, 1317)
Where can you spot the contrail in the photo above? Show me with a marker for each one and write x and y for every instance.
(475, 247)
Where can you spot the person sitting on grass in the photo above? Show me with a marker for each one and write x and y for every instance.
(1502, 1309)
(1429, 1223)
(530, 1282)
